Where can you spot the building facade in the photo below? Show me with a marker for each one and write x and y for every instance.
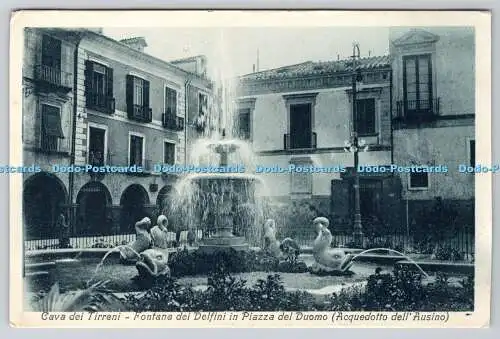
(127, 109)
(434, 110)
(48, 97)
(301, 115)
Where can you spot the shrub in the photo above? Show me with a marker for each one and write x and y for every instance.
(404, 290)
(447, 253)
(184, 262)
(165, 295)
(400, 290)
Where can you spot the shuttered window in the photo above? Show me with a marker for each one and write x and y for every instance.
(51, 128)
(365, 113)
(99, 87)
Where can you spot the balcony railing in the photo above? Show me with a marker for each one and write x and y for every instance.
(96, 158)
(173, 122)
(49, 143)
(140, 113)
(291, 142)
(417, 110)
(147, 168)
(53, 76)
(100, 102)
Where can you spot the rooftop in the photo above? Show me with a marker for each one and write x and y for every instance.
(318, 68)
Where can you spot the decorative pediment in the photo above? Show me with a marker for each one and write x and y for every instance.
(416, 36)
(246, 103)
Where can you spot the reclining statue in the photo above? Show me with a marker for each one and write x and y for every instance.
(287, 249)
(328, 259)
(130, 253)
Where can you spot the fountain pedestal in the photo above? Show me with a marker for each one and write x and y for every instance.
(224, 239)
(225, 187)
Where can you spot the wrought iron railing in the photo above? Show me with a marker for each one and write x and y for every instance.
(53, 76)
(414, 110)
(100, 102)
(290, 142)
(173, 122)
(96, 158)
(49, 143)
(140, 113)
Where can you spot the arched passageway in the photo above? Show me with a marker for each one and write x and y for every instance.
(133, 202)
(44, 197)
(93, 217)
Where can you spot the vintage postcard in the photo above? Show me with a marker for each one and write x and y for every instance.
(250, 169)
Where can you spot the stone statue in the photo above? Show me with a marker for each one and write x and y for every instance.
(152, 263)
(328, 259)
(287, 249)
(64, 233)
(159, 233)
(143, 241)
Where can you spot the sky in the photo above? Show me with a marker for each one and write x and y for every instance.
(233, 51)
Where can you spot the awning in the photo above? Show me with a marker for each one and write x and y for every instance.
(51, 121)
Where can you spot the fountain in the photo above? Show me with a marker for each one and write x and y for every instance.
(212, 201)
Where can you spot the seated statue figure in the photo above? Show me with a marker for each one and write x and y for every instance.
(159, 233)
(152, 263)
(328, 259)
(130, 252)
(287, 249)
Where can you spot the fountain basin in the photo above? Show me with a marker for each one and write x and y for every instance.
(223, 244)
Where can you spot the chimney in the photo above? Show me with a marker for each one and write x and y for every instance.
(137, 43)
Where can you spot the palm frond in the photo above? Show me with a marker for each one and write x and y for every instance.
(92, 299)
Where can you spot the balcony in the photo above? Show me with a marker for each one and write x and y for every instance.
(140, 113)
(415, 111)
(52, 78)
(100, 102)
(147, 168)
(96, 158)
(174, 123)
(293, 143)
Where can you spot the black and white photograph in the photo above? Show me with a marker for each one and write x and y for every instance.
(225, 174)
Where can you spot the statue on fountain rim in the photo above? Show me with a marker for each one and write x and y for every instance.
(130, 253)
(287, 249)
(150, 259)
(328, 260)
(159, 233)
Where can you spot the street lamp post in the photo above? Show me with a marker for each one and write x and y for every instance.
(357, 226)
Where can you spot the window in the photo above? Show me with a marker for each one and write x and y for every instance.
(300, 126)
(300, 121)
(170, 102)
(202, 104)
(138, 99)
(136, 150)
(472, 152)
(169, 153)
(244, 123)
(138, 91)
(97, 146)
(365, 113)
(419, 180)
(51, 128)
(99, 87)
(51, 52)
(417, 84)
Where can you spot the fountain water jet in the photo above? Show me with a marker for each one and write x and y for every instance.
(214, 201)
